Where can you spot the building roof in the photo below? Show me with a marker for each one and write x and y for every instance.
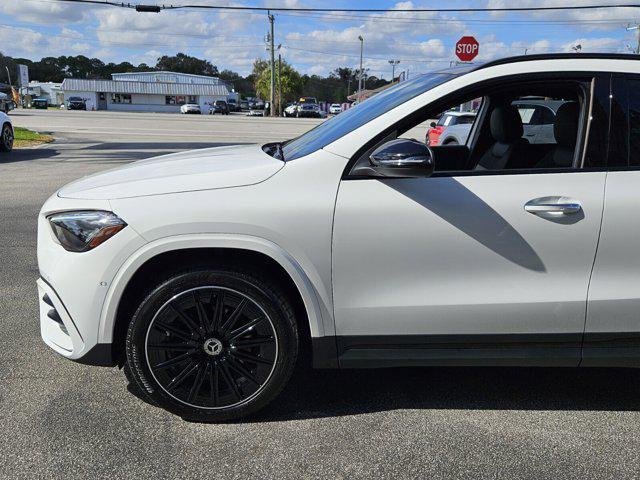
(166, 77)
(150, 88)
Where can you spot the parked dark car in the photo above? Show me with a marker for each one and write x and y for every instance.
(308, 110)
(244, 105)
(219, 106)
(41, 103)
(76, 103)
(256, 104)
(233, 105)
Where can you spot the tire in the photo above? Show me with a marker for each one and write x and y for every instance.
(451, 142)
(212, 367)
(6, 138)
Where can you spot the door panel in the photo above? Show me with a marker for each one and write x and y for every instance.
(614, 295)
(461, 256)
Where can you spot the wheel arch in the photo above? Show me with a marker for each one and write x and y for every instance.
(316, 327)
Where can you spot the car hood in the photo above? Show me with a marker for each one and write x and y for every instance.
(205, 169)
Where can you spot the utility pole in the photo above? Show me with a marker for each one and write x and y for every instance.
(272, 109)
(393, 69)
(360, 72)
(279, 84)
(636, 27)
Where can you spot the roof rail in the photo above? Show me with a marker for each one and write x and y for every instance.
(558, 56)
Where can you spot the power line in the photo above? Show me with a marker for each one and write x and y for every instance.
(443, 20)
(337, 54)
(246, 8)
(380, 18)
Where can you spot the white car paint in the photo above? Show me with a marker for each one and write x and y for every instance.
(6, 120)
(206, 169)
(290, 110)
(190, 108)
(335, 109)
(428, 256)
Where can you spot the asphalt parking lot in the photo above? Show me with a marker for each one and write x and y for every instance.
(64, 420)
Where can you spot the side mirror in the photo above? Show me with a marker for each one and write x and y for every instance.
(402, 158)
(433, 125)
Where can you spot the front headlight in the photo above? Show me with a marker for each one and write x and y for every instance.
(82, 231)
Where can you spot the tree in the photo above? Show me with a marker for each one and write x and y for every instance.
(292, 83)
(182, 63)
(244, 86)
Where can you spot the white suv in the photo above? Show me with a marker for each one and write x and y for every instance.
(208, 274)
(6, 133)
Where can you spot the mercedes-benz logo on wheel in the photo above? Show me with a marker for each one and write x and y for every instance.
(213, 347)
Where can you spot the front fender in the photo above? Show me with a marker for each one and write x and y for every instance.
(320, 317)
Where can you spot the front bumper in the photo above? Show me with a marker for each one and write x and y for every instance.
(309, 114)
(73, 286)
(59, 331)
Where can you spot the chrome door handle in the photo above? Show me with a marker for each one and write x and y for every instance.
(553, 206)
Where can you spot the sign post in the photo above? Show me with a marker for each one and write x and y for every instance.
(23, 75)
(467, 48)
(23, 78)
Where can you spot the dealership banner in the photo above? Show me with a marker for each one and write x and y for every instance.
(23, 75)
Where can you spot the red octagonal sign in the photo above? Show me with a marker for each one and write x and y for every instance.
(467, 48)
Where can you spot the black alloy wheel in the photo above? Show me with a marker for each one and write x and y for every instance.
(212, 345)
(6, 138)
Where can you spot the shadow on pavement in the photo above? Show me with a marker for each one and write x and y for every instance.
(319, 394)
(71, 151)
(28, 154)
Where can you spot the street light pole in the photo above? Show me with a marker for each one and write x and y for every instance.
(272, 108)
(279, 84)
(393, 69)
(360, 72)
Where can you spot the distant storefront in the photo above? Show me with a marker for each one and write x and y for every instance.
(148, 91)
(49, 91)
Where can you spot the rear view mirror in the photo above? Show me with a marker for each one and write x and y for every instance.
(402, 158)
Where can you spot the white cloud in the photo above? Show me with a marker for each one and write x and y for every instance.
(35, 44)
(604, 44)
(588, 19)
(44, 13)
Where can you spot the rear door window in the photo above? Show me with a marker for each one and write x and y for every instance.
(634, 122)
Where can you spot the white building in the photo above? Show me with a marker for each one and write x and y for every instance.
(49, 90)
(148, 91)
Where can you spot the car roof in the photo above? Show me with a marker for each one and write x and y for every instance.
(558, 56)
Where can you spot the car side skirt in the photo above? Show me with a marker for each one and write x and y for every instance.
(508, 350)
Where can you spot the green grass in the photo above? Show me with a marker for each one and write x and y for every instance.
(25, 137)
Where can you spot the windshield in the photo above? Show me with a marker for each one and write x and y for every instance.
(355, 117)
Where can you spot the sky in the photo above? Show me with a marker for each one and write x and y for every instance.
(312, 43)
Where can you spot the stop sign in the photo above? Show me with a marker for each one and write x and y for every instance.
(467, 48)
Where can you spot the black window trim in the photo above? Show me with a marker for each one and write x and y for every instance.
(443, 102)
(616, 93)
